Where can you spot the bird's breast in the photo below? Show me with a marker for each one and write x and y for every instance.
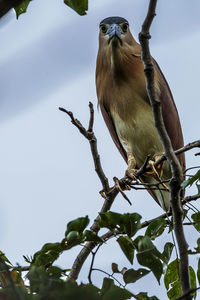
(135, 127)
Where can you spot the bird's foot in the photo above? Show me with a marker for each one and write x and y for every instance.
(156, 172)
(131, 173)
(121, 187)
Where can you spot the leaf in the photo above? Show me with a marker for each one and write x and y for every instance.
(131, 275)
(131, 223)
(172, 273)
(48, 254)
(127, 247)
(21, 8)
(150, 261)
(54, 272)
(144, 296)
(191, 180)
(110, 220)
(77, 225)
(196, 219)
(110, 291)
(175, 291)
(125, 223)
(80, 6)
(193, 283)
(165, 256)
(149, 256)
(91, 236)
(155, 228)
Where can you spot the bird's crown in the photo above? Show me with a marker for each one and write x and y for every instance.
(114, 20)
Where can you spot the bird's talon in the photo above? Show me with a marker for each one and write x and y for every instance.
(131, 174)
(103, 194)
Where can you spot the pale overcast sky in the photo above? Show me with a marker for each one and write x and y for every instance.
(47, 177)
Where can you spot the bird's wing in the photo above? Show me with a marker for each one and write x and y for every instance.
(110, 124)
(170, 114)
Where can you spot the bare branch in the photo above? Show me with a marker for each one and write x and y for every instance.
(92, 263)
(177, 174)
(90, 136)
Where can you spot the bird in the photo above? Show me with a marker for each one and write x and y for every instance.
(126, 109)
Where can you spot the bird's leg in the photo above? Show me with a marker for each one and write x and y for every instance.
(131, 170)
(156, 172)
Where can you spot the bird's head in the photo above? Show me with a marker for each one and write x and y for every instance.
(114, 32)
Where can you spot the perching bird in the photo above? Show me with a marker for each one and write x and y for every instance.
(125, 106)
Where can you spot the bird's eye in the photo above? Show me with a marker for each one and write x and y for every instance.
(125, 27)
(103, 28)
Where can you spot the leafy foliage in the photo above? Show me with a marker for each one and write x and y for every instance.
(79, 6)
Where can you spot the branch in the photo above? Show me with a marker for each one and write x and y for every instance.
(90, 136)
(177, 174)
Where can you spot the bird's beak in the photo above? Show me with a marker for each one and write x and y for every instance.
(114, 31)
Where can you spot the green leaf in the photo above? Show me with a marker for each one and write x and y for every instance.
(149, 256)
(193, 283)
(172, 273)
(196, 219)
(80, 6)
(155, 228)
(144, 296)
(91, 236)
(191, 180)
(131, 223)
(48, 254)
(165, 256)
(125, 223)
(110, 291)
(73, 238)
(127, 247)
(110, 220)
(131, 275)
(77, 225)
(54, 272)
(175, 291)
(150, 261)
(21, 8)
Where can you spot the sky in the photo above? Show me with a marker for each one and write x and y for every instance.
(47, 60)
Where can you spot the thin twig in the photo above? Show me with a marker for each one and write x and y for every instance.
(110, 275)
(177, 174)
(92, 263)
(90, 136)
